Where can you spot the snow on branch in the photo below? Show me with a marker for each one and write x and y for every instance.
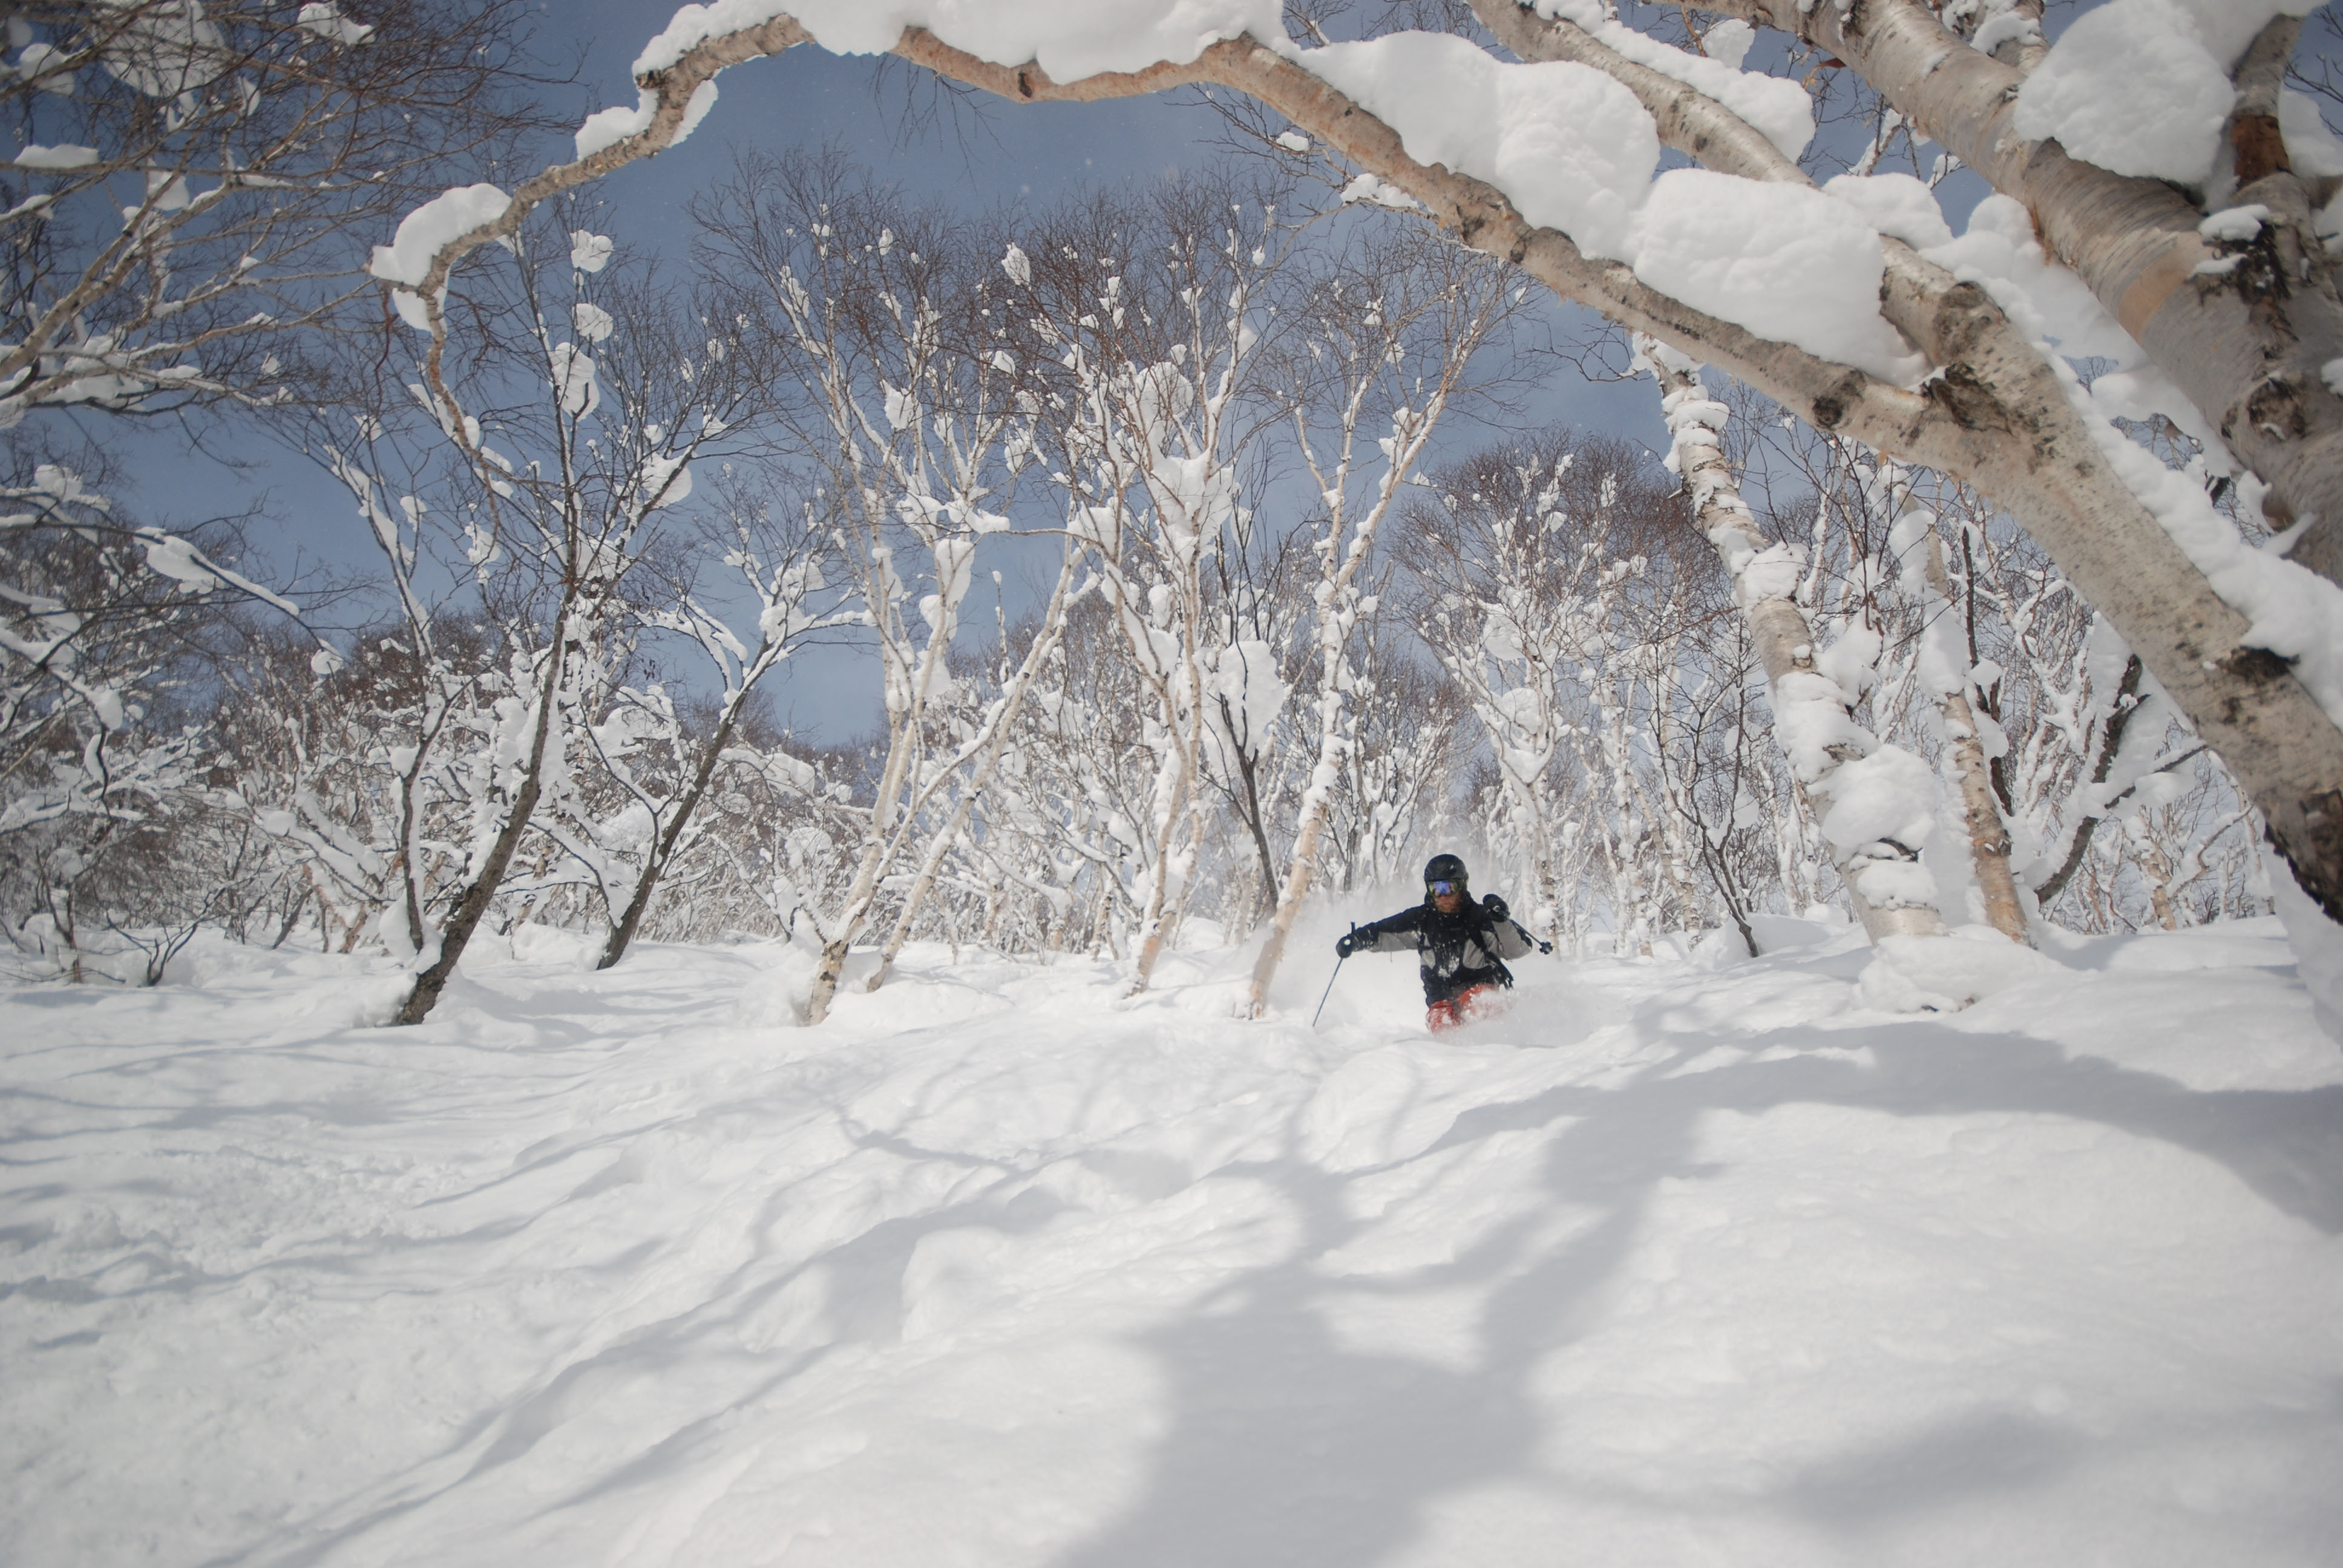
(2114, 147)
(1553, 165)
(1815, 294)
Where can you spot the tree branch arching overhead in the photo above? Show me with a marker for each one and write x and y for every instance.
(2246, 344)
(1997, 414)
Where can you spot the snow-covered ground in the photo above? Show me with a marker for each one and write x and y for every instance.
(1682, 1262)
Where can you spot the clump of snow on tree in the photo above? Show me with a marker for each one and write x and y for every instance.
(407, 259)
(1897, 206)
(1576, 151)
(325, 20)
(1572, 147)
(608, 127)
(588, 252)
(1782, 260)
(1776, 106)
(2142, 86)
(65, 156)
(1066, 41)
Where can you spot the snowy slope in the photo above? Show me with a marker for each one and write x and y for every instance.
(1680, 1263)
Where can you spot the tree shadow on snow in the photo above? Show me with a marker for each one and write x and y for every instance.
(864, 1305)
(1286, 1449)
(1286, 1446)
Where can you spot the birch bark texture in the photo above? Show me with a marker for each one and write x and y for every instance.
(1835, 759)
(1945, 667)
(2245, 343)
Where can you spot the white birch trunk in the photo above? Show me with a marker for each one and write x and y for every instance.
(1988, 834)
(1884, 879)
(991, 743)
(1336, 604)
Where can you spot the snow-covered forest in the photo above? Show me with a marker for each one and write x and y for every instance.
(485, 1082)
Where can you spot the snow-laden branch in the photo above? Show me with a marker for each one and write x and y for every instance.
(2013, 411)
(1873, 802)
(1550, 165)
(2096, 144)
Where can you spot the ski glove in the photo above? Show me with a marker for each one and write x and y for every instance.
(1497, 907)
(1346, 944)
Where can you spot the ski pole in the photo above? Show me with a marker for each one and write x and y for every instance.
(1330, 980)
(1329, 992)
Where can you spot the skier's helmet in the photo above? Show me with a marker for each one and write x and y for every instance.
(1444, 874)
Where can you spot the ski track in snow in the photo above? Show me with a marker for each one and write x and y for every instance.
(1680, 1261)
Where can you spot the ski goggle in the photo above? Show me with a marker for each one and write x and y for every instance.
(1442, 888)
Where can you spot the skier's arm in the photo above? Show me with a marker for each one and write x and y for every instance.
(1392, 934)
(1505, 933)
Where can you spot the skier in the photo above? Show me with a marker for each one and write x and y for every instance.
(1461, 945)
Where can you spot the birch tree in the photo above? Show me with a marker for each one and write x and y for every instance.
(545, 536)
(318, 764)
(1841, 305)
(2120, 173)
(105, 623)
(1873, 802)
(195, 186)
(1089, 780)
(1396, 354)
(1399, 771)
(1159, 323)
(774, 562)
(1547, 587)
(888, 384)
(1950, 676)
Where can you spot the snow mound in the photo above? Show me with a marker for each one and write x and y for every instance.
(1941, 974)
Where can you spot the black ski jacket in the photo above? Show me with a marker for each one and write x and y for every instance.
(1456, 951)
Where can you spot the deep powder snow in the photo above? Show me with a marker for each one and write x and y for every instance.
(1686, 1261)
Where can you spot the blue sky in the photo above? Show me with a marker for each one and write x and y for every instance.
(978, 151)
(996, 155)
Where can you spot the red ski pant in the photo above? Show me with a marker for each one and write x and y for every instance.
(1467, 1005)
